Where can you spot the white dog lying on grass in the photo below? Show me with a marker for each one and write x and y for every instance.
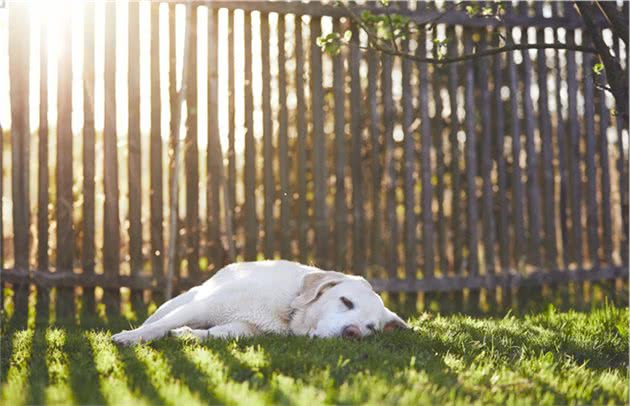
(282, 297)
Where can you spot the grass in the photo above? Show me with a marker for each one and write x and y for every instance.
(545, 358)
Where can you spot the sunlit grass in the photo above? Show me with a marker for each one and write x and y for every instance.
(15, 384)
(112, 379)
(547, 358)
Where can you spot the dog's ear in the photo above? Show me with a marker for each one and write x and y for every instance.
(314, 284)
(394, 322)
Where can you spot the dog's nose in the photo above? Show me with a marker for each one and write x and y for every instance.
(351, 332)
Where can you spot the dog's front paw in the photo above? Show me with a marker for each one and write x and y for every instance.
(182, 332)
(126, 338)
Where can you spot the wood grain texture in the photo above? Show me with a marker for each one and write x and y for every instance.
(319, 145)
(156, 195)
(356, 161)
(251, 223)
(267, 134)
(88, 243)
(111, 219)
(65, 200)
(341, 210)
(134, 163)
(301, 209)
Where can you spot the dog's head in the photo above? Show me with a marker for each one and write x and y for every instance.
(332, 304)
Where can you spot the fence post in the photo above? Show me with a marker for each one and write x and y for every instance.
(356, 119)
(283, 142)
(89, 150)
(191, 151)
(19, 46)
(182, 96)
(341, 211)
(156, 194)
(134, 166)
(65, 231)
(319, 145)
(43, 200)
(111, 232)
(302, 222)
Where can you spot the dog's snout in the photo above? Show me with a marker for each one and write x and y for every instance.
(351, 332)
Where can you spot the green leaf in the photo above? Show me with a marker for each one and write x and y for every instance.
(598, 68)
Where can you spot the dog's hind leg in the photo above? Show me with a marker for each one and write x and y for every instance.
(229, 330)
(193, 313)
(170, 305)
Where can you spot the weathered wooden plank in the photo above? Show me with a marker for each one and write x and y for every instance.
(442, 284)
(456, 161)
(622, 172)
(214, 163)
(409, 172)
(283, 142)
(471, 162)
(573, 154)
(604, 179)
(487, 200)
(89, 157)
(268, 179)
(591, 170)
(513, 280)
(231, 72)
(376, 247)
(43, 200)
(156, 195)
(319, 145)
(389, 177)
(251, 224)
(111, 224)
(341, 211)
(544, 124)
(439, 145)
(517, 182)
(42, 152)
(302, 222)
(176, 117)
(426, 196)
(503, 235)
(19, 45)
(134, 164)
(65, 230)
(533, 181)
(561, 140)
(174, 132)
(191, 156)
(356, 131)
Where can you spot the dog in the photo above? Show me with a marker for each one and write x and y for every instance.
(281, 297)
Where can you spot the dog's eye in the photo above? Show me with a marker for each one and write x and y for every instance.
(347, 302)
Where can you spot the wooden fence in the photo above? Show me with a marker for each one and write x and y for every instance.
(499, 174)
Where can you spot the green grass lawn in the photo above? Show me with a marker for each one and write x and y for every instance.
(550, 358)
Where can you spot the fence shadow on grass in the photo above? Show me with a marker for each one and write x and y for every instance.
(84, 377)
(188, 372)
(38, 377)
(138, 378)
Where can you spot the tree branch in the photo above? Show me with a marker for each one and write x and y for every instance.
(377, 44)
(617, 77)
(487, 52)
(618, 21)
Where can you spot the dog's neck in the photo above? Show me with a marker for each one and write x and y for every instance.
(296, 321)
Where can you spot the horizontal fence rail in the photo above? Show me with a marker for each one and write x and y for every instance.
(491, 180)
